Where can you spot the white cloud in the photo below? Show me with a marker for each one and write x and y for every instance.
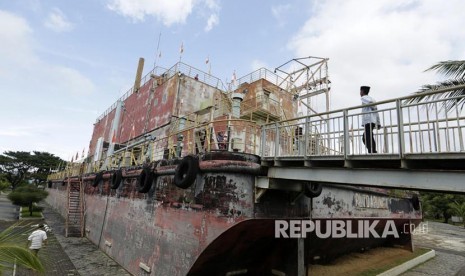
(279, 11)
(57, 21)
(15, 35)
(169, 12)
(386, 44)
(34, 91)
(213, 8)
(211, 22)
(258, 64)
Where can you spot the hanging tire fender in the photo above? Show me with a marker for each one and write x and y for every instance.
(116, 178)
(312, 189)
(97, 179)
(145, 179)
(415, 202)
(186, 172)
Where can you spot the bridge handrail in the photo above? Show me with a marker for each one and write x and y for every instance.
(407, 127)
(417, 95)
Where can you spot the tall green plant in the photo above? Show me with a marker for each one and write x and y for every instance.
(13, 249)
(27, 196)
(459, 210)
(455, 71)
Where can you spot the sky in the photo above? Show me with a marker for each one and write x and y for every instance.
(63, 63)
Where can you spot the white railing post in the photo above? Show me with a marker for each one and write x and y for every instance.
(346, 133)
(306, 133)
(262, 142)
(459, 127)
(400, 126)
(276, 144)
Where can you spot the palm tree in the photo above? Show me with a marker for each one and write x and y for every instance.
(11, 251)
(453, 69)
(459, 210)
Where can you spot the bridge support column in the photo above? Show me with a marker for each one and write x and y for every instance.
(301, 267)
(348, 164)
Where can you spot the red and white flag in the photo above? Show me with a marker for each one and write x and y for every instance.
(233, 78)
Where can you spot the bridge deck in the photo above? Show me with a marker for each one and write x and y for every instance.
(420, 146)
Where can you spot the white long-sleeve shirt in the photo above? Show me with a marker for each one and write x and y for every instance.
(36, 238)
(368, 116)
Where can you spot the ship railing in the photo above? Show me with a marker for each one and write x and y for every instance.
(157, 71)
(406, 128)
(261, 104)
(193, 72)
(235, 135)
(178, 68)
(258, 74)
(71, 169)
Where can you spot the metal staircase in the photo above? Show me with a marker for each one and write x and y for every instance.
(74, 225)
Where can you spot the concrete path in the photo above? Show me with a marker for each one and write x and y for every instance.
(62, 256)
(8, 211)
(449, 243)
(85, 256)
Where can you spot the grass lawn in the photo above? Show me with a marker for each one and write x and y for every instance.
(368, 263)
(25, 213)
(401, 260)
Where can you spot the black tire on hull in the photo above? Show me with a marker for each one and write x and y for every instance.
(144, 180)
(116, 178)
(97, 179)
(312, 189)
(186, 172)
(415, 202)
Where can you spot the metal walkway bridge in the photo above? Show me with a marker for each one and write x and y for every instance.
(421, 146)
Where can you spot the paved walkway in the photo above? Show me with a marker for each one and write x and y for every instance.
(449, 243)
(85, 256)
(62, 256)
(8, 211)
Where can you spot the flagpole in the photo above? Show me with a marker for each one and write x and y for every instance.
(207, 61)
(158, 54)
(181, 50)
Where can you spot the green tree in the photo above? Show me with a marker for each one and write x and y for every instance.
(4, 184)
(11, 251)
(27, 196)
(42, 164)
(19, 167)
(455, 71)
(438, 204)
(459, 210)
(15, 165)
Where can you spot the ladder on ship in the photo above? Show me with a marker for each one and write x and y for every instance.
(74, 224)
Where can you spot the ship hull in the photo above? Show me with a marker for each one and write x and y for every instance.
(218, 225)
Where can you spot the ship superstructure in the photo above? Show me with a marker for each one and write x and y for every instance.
(172, 184)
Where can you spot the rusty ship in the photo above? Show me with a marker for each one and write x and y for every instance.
(174, 182)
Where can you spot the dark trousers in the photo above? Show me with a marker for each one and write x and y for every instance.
(368, 139)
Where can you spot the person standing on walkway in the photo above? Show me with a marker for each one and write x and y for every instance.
(37, 239)
(370, 119)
